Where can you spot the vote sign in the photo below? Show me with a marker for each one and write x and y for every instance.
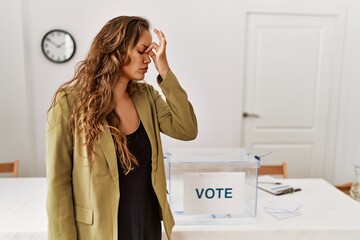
(214, 193)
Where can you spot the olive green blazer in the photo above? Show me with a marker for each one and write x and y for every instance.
(83, 198)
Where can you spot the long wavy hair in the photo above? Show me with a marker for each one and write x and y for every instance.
(92, 86)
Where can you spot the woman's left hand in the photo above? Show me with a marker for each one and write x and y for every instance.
(159, 56)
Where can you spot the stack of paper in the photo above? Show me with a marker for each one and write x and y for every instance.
(274, 185)
(282, 208)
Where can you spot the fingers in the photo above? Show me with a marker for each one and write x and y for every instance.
(161, 36)
(162, 42)
(151, 47)
(152, 55)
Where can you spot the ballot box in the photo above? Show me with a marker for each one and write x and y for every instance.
(212, 185)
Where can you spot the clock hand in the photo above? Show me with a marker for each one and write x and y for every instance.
(58, 46)
(54, 43)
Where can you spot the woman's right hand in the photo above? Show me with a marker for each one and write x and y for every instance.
(159, 56)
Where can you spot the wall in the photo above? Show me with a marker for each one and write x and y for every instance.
(203, 50)
(348, 147)
(16, 135)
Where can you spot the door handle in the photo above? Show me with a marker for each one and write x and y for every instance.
(252, 115)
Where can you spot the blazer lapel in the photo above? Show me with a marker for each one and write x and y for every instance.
(108, 147)
(143, 109)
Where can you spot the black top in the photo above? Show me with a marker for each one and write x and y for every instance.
(139, 212)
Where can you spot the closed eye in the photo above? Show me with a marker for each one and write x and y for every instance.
(142, 46)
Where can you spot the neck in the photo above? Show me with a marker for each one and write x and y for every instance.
(120, 89)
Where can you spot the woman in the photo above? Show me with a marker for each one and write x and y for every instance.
(104, 159)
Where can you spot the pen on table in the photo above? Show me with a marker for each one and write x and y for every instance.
(292, 190)
(275, 183)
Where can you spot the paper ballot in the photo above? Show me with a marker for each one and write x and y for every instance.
(282, 208)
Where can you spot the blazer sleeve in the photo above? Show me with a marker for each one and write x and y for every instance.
(59, 203)
(176, 115)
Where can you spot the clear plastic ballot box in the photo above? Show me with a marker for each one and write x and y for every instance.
(212, 185)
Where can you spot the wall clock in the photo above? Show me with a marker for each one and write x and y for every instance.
(58, 46)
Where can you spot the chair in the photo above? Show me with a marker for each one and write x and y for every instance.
(345, 188)
(274, 170)
(10, 167)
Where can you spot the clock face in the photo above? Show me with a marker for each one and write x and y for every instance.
(58, 46)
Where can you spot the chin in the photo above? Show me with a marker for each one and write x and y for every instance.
(139, 78)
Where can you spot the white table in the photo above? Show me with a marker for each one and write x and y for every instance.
(22, 209)
(326, 214)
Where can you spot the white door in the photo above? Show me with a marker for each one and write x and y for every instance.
(291, 76)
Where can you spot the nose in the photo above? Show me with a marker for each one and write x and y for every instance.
(147, 58)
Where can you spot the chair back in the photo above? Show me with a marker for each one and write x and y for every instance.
(10, 167)
(274, 170)
(345, 187)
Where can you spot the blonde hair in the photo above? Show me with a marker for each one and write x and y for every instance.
(92, 86)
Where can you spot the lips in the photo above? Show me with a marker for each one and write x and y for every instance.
(144, 69)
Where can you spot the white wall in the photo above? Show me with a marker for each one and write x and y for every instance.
(348, 147)
(16, 135)
(203, 50)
